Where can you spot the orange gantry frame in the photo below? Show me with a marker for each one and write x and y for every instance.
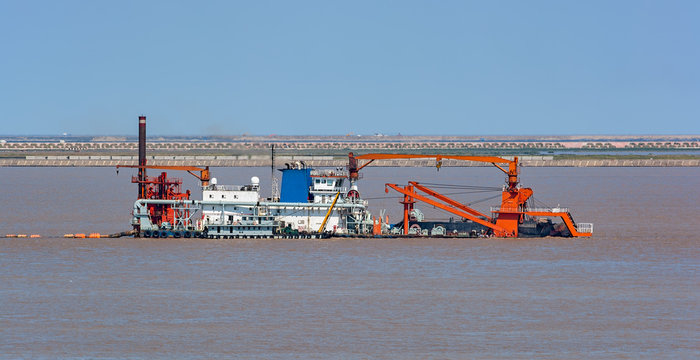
(165, 188)
(203, 176)
(507, 217)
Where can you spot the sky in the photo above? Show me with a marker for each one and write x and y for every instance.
(350, 67)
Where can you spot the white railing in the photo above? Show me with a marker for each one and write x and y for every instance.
(218, 187)
(584, 228)
(328, 172)
(552, 210)
(330, 190)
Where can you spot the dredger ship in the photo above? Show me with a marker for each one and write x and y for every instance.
(319, 203)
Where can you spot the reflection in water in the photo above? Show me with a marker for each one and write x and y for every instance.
(630, 291)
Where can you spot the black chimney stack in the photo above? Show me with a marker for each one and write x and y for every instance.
(142, 157)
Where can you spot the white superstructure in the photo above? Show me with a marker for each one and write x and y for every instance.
(307, 196)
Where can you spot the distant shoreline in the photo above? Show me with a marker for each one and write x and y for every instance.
(332, 151)
(327, 161)
(352, 138)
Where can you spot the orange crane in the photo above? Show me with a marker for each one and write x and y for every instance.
(506, 219)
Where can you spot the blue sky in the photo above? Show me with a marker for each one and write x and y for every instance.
(362, 67)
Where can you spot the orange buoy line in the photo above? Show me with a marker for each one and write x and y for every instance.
(94, 235)
(83, 236)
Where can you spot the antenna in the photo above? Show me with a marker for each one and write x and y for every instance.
(274, 193)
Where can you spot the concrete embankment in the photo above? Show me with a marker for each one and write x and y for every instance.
(322, 161)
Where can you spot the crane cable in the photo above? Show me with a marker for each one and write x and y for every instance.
(451, 193)
(457, 186)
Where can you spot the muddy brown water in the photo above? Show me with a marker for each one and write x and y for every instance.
(631, 291)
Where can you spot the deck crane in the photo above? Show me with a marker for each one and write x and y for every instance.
(506, 218)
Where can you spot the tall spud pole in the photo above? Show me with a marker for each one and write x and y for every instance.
(142, 157)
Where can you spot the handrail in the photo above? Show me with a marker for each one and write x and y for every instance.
(584, 227)
(553, 210)
(218, 187)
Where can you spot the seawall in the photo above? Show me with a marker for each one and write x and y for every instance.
(322, 161)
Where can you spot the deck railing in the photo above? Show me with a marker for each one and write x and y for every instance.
(552, 210)
(584, 227)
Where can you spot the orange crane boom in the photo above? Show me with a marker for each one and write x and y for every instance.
(512, 171)
(449, 201)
